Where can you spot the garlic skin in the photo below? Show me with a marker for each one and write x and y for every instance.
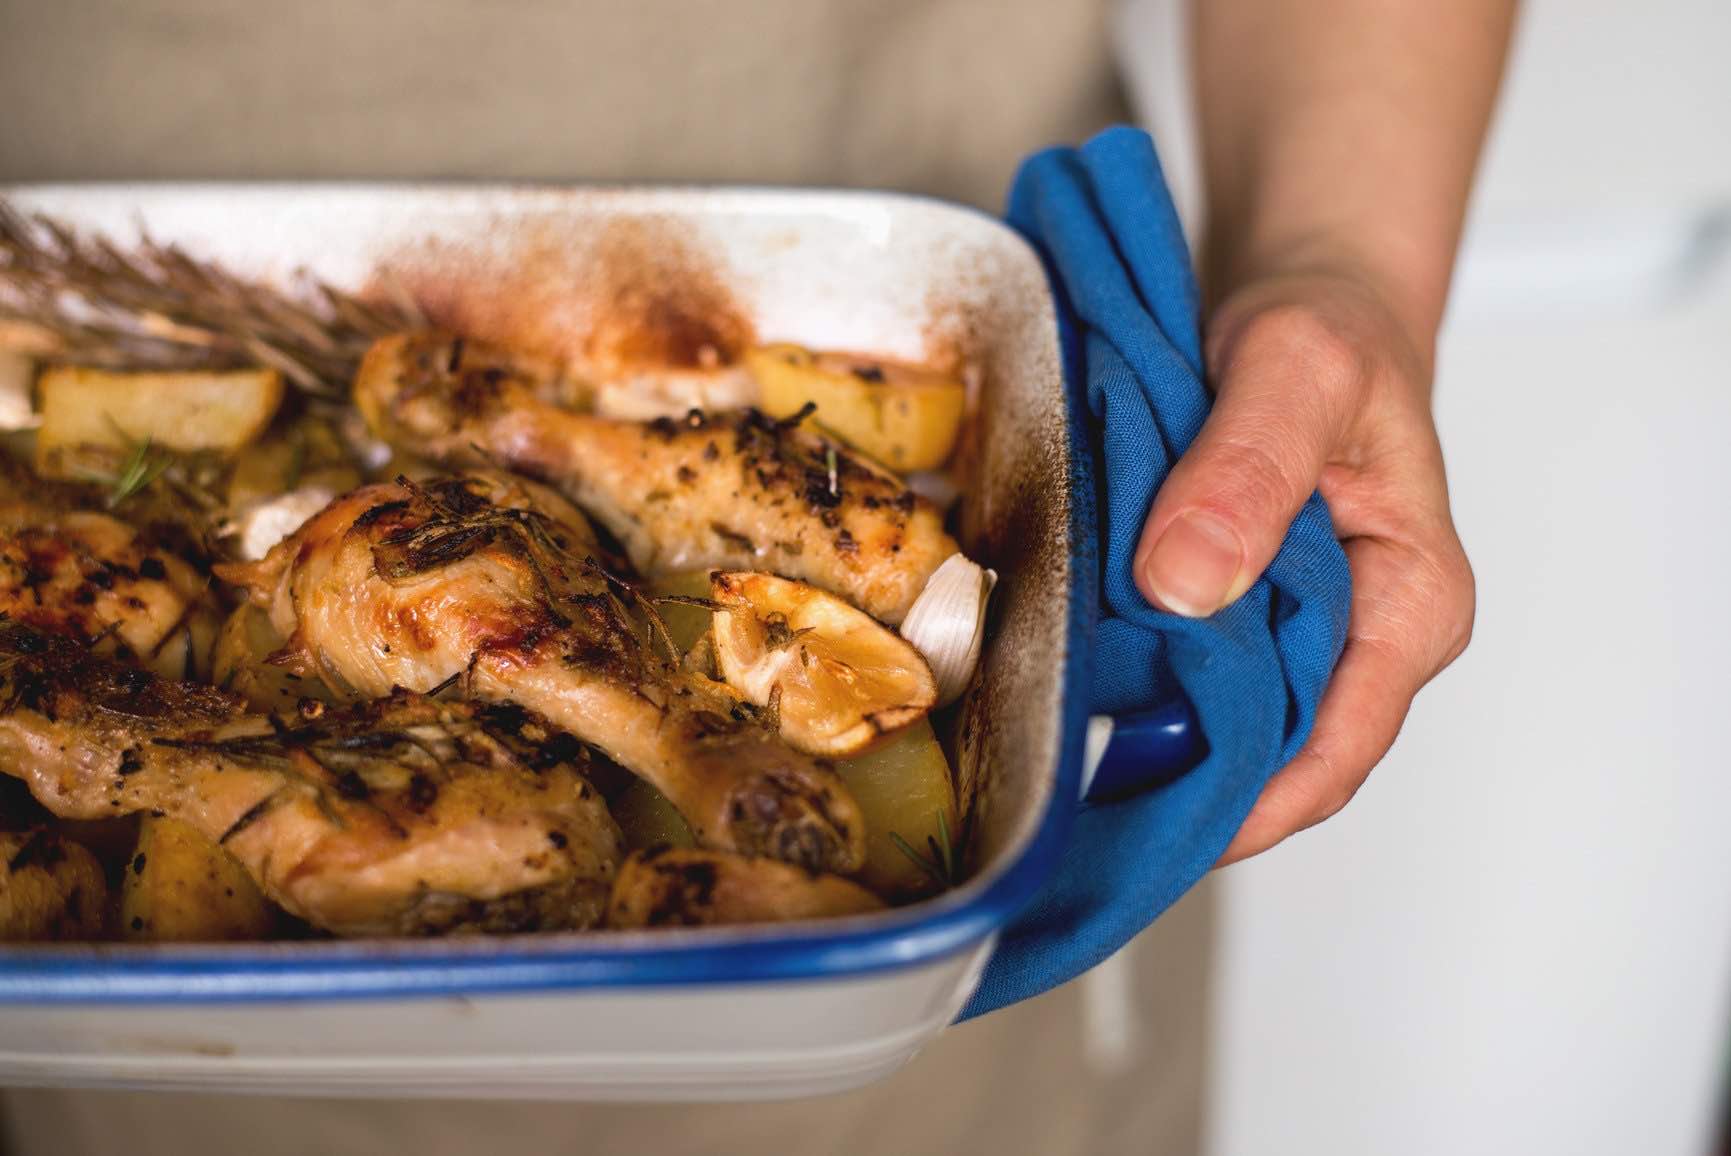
(265, 524)
(947, 623)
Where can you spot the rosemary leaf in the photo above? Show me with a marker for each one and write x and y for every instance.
(155, 306)
(941, 863)
(141, 469)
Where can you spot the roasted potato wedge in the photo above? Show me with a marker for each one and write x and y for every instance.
(905, 791)
(182, 888)
(672, 888)
(181, 411)
(836, 678)
(905, 417)
(51, 888)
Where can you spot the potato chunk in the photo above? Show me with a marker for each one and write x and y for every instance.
(50, 888)
(180, 887)
(904, 791)
(182, 411)
(906, 418)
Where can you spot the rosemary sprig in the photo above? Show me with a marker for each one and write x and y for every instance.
(709, 604)
(156, 306)
(942, 864)
(142, 467)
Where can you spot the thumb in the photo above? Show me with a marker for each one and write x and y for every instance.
(1285, 384)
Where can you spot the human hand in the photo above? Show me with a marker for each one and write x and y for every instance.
(1319, 386)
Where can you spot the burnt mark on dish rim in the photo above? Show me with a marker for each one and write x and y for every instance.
(637, 292)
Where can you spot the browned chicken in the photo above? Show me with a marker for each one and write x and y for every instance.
(665, 887)
(401, 816)
(730, 491)
(50, 887)
(92, 577)
(493, 581)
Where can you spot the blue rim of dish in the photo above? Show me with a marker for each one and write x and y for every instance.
(337, 971)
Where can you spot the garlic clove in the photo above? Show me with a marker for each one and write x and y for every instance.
(263, 524)
(17, 374)
(947, 623)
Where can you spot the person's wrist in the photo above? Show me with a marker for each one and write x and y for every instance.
(1406, 279)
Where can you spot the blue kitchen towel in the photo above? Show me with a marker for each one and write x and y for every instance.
(1102, 219)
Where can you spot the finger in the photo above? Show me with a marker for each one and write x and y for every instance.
(1360, 716)
(1411, 616)
(1286, 384)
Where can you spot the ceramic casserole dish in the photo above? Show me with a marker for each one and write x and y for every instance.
(674, 275)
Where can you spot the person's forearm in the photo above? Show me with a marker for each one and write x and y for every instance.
(1345, 131)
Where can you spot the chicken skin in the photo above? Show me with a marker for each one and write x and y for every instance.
(92, 577)
(493, 583)
(670, 887)
(400, 816)
(722, 491)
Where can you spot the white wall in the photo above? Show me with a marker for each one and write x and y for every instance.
(1518, 938)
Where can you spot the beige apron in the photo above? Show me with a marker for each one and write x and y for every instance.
(938, 96)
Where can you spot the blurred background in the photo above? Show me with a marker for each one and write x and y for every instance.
(1518, 937)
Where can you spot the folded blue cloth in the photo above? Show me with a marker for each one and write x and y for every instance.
(1253, 673)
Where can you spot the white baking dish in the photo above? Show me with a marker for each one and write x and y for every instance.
(698, 1014)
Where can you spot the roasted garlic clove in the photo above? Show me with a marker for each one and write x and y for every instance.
(834, 677)
(947, 623)
(263, 524)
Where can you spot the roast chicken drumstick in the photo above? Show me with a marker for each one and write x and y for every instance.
(493, 582)
(90, 576)
(400, 816)
(733, 491)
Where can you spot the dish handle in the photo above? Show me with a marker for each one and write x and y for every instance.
(1131, 753)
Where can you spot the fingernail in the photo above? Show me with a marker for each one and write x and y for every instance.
(1194, 566)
